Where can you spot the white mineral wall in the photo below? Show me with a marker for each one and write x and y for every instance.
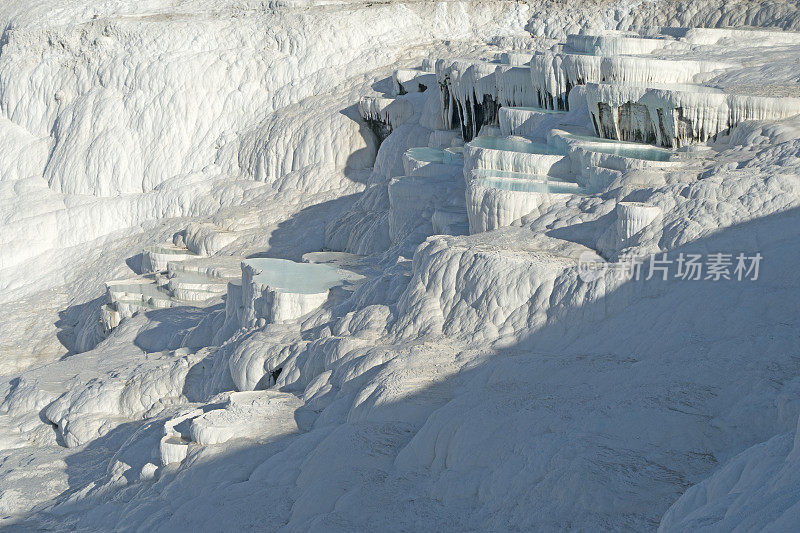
(450, 289)
(469, 93)
(264, 304)
(633, 217)
(490, 208)
(420, 167)
(476, 157)
(673, 117)
(414, 199)
(525, 122)
(619, 44)
(514, 87)
(553, 75)
(389, 111)
(752, 489)
(410, 80)
(419, 398)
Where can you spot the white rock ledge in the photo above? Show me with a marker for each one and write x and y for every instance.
(553, 75)
(412, 81)
(384, 115)
(633, 217)
(620, 43)
(525, 120)
(156, 257)
(673, 116)
(258, 415)
(444, 138)
(431, 162)
(279, 290)
(497, 202)
(516, 154)
(468, 93)
(414, 199)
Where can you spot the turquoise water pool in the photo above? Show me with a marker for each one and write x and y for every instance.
(646, 153)
(625, 149)
(435, 155)
(288, 276)
(507, 144)
(510, 184)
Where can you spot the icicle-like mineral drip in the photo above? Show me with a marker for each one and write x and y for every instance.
(383, 115)
(514, 87)
(553, 75)
(673, 116)
(468, 94)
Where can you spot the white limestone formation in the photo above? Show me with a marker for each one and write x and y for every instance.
(137, 292)
(156, 258)
(187, 281)
(364, 322)
(468, 94)
(633, 217)
(495, 202)
(514, 88)
(412, 81)
(516, 154)
(553, 75)
(205, 238)
(675, 115)
(596, 162)
(414, 199)
(515, 59)
(618, 43)
(278, 290)
(191, 287)
(247, 415)
(449, 221)
(756, 488)
(174, 445)
(752, 36)
(383, 115)
(127, 297)
(423, 161)
(472, 91)
(441, 139)
(525, 121)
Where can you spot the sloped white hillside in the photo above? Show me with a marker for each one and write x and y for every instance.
(343, 266)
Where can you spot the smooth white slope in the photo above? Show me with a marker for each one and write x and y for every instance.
(126, 103)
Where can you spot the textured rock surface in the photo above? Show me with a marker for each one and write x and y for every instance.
(441, 380)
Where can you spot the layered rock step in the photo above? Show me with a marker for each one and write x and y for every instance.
(384, 115)
(676, 115)
(406, 81)
(495, 201)
(155, 258)
(526, 121)
(516, 154)
(191, 280)
(279, 290)
(259, 416)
